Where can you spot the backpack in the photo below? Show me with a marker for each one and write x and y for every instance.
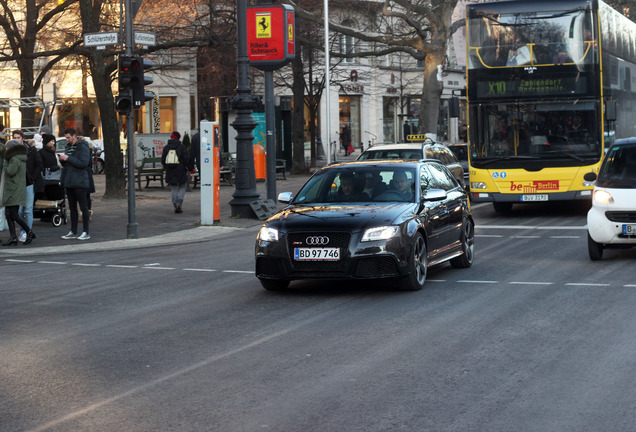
(172, 158)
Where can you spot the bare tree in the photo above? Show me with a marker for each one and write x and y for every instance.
(24, 24)
(420, 28)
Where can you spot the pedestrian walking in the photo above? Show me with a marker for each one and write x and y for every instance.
(176, 162)
(14, 190)
(34, 182)
(75, 181)
(3, 219)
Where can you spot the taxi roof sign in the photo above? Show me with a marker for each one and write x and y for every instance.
(416, 137)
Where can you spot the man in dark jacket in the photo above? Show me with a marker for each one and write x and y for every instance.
(176, 169)
(75, 160)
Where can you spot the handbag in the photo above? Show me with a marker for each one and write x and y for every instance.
(50, 174)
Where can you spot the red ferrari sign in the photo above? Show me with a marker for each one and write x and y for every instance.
(270, 36)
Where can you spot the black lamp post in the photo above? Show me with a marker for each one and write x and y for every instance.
(243, 103)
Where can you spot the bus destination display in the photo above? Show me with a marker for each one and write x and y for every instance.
(530, 87)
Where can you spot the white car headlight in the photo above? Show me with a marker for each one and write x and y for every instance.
(479, 185)
(603, 197)
(268, 234)
(379, 233)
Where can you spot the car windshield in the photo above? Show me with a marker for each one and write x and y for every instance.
(413, 154)
(619, 167)
(359, 184)
(542, 131)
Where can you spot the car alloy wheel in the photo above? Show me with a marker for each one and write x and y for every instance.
(465, 260)
(418, 266)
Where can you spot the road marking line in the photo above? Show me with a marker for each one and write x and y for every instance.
(52, 262)
(527, 237)
(531, 227)
(121, 266)
(565, 237)
(159, 268)
(19, 260)
(477, 281)
(488, 235)
(237, 271)
(629, 286)
(531, 283)
(86, 265)
(435, 280)
(199, 270)
(587, 284)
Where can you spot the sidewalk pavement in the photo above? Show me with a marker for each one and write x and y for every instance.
(157, 223)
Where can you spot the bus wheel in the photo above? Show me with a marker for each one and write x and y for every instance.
(502, 207)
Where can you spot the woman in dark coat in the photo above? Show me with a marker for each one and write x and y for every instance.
(176, 174)
(14, 193)
(47, 152)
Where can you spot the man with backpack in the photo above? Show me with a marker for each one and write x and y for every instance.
(176, 162)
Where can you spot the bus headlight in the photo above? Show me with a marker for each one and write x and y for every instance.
(478, 185)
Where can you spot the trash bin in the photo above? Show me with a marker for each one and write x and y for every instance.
(259, 163)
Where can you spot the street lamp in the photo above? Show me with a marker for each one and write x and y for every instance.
(243, 103)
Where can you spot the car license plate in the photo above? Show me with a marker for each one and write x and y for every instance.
(541, 197)
(629, 229)
(316, 254)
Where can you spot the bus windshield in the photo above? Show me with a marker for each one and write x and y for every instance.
(531, 38)
(542, 131)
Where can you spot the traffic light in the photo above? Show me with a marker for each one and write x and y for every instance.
(124, 102)
(140, 97)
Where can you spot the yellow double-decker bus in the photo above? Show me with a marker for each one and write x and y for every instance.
(549, 85)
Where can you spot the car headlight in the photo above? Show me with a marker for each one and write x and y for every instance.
(379, 233)
(603, 197)
(268, 234)
(478, 185)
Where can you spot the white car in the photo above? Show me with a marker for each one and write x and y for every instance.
(611, 222)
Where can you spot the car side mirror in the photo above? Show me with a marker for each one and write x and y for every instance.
(285, 197)
(590, 177)
(435, 195)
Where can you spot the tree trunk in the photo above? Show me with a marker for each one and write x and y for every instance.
(431, 93)
(298, 118)
(114, 169)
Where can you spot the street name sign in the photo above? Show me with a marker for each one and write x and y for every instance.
(101, 39)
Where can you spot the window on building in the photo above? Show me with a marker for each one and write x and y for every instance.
(146, 121)
(347, 43)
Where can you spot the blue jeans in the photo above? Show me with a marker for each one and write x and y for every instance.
(26, 212)
(178, 194)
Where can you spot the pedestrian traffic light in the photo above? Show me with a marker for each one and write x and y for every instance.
(140, 97)
(126, 72)
(123, 102)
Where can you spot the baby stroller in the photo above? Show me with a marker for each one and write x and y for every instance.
(50, 204)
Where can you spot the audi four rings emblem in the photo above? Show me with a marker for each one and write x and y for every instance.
(317, 240)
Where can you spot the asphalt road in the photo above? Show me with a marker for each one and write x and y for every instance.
(533, 337)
